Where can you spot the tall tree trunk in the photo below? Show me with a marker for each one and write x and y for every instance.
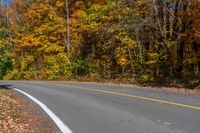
(184, 21)
(196, 65)
(182, 40)
(157, 18)
(167, 20)
(68, 44)
(175, 28)
(139, 46)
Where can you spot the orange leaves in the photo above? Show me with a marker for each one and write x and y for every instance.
(26, 41)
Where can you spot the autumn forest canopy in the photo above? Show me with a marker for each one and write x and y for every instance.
(137, 40)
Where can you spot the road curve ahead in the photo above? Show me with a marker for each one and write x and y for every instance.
(96, 108)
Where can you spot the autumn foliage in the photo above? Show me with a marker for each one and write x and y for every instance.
(143, 40)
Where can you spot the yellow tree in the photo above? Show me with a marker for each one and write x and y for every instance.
(39, 44)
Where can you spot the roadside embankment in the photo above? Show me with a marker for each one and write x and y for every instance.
(17, 115)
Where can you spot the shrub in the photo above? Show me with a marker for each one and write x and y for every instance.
(5, 66)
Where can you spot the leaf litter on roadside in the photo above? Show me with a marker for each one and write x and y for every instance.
(17, 115)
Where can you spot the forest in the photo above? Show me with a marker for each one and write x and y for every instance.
(96, 40)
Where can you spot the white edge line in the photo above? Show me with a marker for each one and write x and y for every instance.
(57, 120)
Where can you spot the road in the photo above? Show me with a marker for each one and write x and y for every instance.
(99, 108)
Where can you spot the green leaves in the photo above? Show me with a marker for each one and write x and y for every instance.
(5, 66)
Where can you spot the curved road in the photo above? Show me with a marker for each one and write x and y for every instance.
(98, 108)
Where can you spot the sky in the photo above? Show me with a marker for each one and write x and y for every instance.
(7, 1)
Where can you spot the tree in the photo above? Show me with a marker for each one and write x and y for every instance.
(147, 40)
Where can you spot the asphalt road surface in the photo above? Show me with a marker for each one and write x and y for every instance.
(98, 108)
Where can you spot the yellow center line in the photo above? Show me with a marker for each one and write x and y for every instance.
(131, 96)
(134, 96)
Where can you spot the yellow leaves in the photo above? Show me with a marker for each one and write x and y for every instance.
(170, 43)
(52, 25)
(129, 42)
(142, 7)
(56, 66)
(126, 10)
(153, 55)
(80, 15)
(125, 40)
(36, 11)
(53, 48)
(153, 59)
(44, 29)
(51, 16)
(93, 25)
(60, 3)
(197, 34)
(25, 61)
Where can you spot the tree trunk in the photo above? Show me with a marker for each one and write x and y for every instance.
(167, 20)
(158, 20)
(68, 29)
(139, 46)
(181, 45)
(175, 28)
